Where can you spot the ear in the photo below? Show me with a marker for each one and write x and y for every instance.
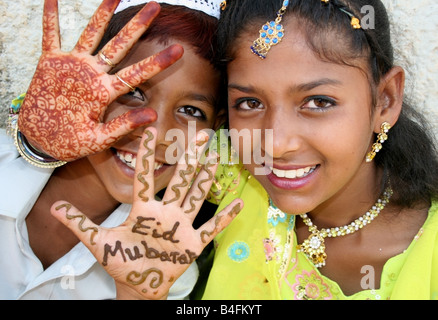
(390, 97)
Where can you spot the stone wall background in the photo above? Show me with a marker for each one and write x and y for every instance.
(414, 35)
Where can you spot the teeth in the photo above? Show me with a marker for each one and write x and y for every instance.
(128, 157)
(158, 166)
(292, 174)
(130, 160)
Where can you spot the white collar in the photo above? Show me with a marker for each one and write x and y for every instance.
(21, 186)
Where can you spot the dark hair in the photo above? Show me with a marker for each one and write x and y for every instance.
(193, 27)
(177, 22)
(409, 157)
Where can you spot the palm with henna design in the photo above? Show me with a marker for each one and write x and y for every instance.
(157, 243)
(70, 91)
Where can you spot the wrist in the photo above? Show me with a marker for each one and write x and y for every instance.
(33, 155)
(124, 292)
(27, 151)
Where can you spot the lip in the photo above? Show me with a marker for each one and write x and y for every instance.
(129, 170)
(292, 183)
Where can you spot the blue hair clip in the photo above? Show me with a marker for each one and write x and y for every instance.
(355, 22)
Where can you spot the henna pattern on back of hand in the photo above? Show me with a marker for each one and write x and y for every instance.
(62, 90)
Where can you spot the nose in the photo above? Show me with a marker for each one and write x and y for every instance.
(281, 133)
(162, 125)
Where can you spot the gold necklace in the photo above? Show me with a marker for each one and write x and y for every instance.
(314, 248)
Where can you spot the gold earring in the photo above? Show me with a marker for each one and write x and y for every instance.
(381, 138)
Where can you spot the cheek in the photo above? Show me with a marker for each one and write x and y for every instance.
(346, 145)
(233, 122)
(177, 143)
(163, 180)
(242, 125)
(113, 111)
(245, 147)
(117, 185)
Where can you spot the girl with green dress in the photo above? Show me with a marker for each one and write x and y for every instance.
(347, 205)
(347, 209)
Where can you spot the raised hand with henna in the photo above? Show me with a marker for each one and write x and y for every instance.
(157, 243)
(64, 106)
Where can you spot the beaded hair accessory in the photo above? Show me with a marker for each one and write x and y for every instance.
(355, 22)
(271, 34)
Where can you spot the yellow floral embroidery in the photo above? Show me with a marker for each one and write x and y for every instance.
(310, 286)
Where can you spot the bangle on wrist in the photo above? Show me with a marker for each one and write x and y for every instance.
(32, 155)
(25, 149)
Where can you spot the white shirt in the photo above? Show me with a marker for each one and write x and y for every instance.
(76, 275)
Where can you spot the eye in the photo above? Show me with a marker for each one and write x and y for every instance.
(137, 93)
(319, 103)
(133, 99)
(248, 104)
(193, 112)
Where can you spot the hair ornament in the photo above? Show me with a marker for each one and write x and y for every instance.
(271, 34)
(223, 5)
(355, 22)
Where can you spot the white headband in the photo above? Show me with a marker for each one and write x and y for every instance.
(210, 7)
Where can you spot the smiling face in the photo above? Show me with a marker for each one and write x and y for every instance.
(320, 113)
(184, 92)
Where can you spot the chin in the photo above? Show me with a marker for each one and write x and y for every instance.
(123, 196)
(291, 204)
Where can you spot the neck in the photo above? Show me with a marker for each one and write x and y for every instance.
(67, 183)
(348, 204)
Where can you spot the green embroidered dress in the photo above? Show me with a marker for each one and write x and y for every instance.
(255, 259)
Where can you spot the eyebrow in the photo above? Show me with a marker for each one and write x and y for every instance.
(249, 89)
(299, 87)
(209, 100)
(314, 84)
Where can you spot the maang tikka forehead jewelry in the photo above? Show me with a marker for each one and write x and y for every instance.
(271, 33)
